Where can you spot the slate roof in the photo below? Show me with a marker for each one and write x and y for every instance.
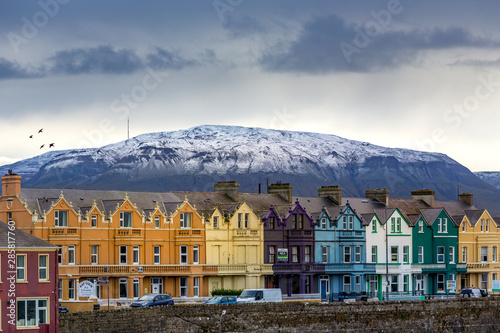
(408, 206)
(23, 239)
(40, 199)
(474, 215)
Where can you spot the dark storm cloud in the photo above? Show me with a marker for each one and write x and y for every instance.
(241, 26)
(12, 70)
(162, 58)
(101, 59)
(329, 44)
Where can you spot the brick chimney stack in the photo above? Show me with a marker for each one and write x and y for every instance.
(230, 188)
(333, 192)
(284, 190)
(11, 184)
(425, 195)
(378, 194)
(466, 198)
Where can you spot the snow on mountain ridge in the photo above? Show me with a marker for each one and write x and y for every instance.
(214, 149)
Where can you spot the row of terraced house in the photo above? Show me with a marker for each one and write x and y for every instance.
(189, 243)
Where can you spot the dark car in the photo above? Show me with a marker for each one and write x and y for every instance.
(473, 292)
(221, 300)
(152, 300)
(63, 309)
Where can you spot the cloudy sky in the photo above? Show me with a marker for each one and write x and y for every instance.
(422, 75)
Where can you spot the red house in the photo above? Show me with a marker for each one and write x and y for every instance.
(28, 282)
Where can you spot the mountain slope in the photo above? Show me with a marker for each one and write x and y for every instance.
(196, 158)
(490, 177)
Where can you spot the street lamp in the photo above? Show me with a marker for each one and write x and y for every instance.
(9, 202)
(220, 320)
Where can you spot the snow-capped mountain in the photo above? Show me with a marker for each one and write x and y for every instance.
(196, 158)
(490, 177)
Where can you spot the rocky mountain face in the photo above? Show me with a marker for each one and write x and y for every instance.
(490, 177)
(195, 159)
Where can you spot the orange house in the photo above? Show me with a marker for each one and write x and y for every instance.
(143, 242)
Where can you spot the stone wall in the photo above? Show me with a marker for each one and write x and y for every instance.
(457, 315)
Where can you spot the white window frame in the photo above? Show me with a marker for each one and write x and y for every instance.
(125, 223)
(357, 256)
(247, 220)
(43, 270)
(183, 286)
(358, 283)
(451, 254)
(196, 286)
(157, 221)
(94, 254)
(183, 251)
(240, 221)
(484, 254)
(136, 288)
(421, 227)
(374, 226)
(135, 255)
(59, 254)
(196, 254)
(493, 253)
(93, 221)
(123, 255)
(23, 303)
(61, 218)
(186, 220)
(121, 282)
(440, 256)
(324, 254)
(71, 254)
(21, 268)
(394, 247)
(406, 254)
(346, 284)
(347, 254)
(350, 220)
(323, 223)
(374, 254)
(71, 289)
(216, 222)
(464, 254)
(420, 255)
(156, 254)
(60, 289)
(440, 282)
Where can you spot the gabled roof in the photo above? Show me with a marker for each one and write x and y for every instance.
(454, 208)
(40, 199)
(23, 240)
(474, 215)
(408, 206)
(430, 215)
(367, 218)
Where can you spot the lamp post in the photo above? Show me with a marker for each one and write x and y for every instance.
(220, 320)
(9, 202)
(386, 262)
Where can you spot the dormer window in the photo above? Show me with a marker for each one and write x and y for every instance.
(271, 222)
(374, 225)
(157, 221)
(323, 223)
(420, 226)
(125, 219)
(61, 218)
(216, 222)
(186, 220)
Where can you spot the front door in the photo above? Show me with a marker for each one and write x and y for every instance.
(419, 284)
(156, 285)
(373, 285)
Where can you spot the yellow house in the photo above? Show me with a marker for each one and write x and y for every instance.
(478, 242)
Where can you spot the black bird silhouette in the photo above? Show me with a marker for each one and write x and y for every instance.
(41, 130)
(51, 145)
(42, 146)
(31, 136)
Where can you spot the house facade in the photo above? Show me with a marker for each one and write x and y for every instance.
(28, 282)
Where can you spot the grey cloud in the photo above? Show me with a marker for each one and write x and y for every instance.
(101, 59)
(241, 26)
(12, 70)
(164, 59)
(477, 63)
(329, 44)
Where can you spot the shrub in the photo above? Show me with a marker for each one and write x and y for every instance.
(226, 292)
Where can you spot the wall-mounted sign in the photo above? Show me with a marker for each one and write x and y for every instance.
(86, 289)
(451, 284)
(102, 281)
(495, 285)
(283, 255)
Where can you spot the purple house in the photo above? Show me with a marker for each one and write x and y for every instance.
(289, 245)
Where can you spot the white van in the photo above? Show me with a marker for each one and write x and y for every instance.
(260, 295)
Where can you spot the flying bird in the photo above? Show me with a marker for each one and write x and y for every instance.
(41, 130)
(42, 146)
(51, 145)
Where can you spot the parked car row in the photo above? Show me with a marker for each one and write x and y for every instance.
(473, 292)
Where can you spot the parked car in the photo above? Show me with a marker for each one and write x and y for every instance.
(152, 300)
(221, 300)
(474, 292)
(260, 295)
(63, 309)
